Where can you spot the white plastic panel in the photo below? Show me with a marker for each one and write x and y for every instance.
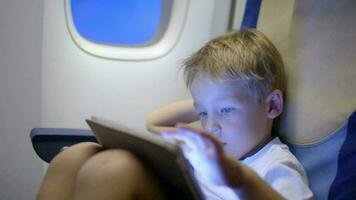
(77, 85)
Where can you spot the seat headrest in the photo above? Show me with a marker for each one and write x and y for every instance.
(319, 52)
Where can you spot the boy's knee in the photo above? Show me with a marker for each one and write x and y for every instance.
(109, 169)
(118, 172)
(63, 170)
(74, 156)
(112, 164)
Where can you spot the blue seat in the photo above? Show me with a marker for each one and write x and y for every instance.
(320, 161)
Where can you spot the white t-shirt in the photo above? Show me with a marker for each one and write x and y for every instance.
(277, 166)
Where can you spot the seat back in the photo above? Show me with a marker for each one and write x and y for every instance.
(317, 41)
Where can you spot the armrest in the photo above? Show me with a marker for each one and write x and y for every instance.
(48, 142)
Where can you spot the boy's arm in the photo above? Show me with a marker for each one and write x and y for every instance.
(247, 183)
(165, 118)
(207, 156)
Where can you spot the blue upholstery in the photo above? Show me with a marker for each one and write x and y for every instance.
(331, 164)
(320, 162)
(252, 11)
(344, 185)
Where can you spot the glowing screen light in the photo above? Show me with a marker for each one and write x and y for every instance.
(117, 22)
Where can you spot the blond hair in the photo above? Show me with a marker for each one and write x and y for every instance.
(243, 55)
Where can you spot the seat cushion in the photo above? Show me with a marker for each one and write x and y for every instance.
(331, 164)
(320, 161)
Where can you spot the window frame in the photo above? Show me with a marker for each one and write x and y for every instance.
(170, 29)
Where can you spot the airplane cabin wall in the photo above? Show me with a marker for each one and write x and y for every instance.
(20, 100)
(77, 85)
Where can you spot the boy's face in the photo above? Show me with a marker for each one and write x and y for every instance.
(231, 114)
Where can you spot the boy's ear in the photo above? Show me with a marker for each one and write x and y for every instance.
(274, 103)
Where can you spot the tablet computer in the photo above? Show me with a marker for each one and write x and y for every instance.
(164, 158)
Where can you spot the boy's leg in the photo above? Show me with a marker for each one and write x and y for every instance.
(116, 174)
(60, 179)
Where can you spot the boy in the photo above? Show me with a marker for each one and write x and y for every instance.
(236, 82)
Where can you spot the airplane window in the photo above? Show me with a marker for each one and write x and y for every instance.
(117, 22)
(125, 29)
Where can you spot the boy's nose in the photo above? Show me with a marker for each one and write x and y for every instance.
(213, 127)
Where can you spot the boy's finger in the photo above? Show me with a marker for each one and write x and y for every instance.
(198, 138)
(206, 141)
(193, 135)
(167, 132)
(203, 133)
(193, 141)
(181, 140)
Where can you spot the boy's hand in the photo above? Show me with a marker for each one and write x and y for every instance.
(203, 151)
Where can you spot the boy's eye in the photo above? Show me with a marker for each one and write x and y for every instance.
(226, 110)
(202, 114)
